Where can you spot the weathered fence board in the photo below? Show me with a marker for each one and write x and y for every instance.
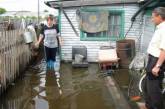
(14, 56)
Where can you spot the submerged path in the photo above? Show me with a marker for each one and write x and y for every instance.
(78, 89)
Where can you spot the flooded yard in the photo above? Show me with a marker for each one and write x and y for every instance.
(79, 88)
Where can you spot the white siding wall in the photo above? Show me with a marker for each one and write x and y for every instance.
(148, 33)
(70, 38)
(136, 30)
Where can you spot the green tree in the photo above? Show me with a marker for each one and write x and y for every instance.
(2, 10)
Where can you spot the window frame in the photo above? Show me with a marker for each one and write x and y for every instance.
(105, 38)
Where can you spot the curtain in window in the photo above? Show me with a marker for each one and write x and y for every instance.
(114, 27)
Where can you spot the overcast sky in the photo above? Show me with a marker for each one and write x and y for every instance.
(29, 5)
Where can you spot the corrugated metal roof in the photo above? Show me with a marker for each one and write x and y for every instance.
(77, 3)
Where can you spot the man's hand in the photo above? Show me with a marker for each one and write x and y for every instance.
(155, 71)
(161, 59)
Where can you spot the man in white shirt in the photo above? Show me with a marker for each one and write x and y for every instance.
(156, 62)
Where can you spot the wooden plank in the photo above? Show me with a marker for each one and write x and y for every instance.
(70, 22)
(1, 65)
(119, 100)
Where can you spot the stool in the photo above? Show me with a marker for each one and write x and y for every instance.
(108, 65)
(107, 58)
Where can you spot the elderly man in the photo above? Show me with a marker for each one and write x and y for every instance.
(156, 62)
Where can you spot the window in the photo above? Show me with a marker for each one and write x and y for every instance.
(115, 28)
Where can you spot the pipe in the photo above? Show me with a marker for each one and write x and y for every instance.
(141, 9)
(158, 4)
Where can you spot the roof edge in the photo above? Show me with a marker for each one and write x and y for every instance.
(69, 4)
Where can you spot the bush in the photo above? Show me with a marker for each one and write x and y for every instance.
(2, 10)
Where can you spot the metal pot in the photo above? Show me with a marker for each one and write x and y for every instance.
(28, 37)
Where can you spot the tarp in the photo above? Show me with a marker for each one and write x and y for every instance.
(93, 21)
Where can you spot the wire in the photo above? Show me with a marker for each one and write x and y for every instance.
(129, 29)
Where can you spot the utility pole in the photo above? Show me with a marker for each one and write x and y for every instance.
(38, 11)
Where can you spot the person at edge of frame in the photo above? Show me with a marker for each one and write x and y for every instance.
(50, 35)
(156, 63)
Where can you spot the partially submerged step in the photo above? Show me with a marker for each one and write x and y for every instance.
(119, 100)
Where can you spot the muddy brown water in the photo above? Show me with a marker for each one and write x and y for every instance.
(38, 89)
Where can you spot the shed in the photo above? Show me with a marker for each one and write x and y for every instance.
(120, 24)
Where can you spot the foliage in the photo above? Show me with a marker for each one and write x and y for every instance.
(2, 10)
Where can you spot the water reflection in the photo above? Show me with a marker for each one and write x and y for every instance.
(77, 89)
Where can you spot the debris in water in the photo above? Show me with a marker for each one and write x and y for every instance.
(58, 83)
(43, 94)
(60, 91)
(12, 84)
(135, 98)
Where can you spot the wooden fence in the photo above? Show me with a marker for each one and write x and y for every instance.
(23, 99)
(14, 56)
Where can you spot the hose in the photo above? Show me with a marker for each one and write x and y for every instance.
(141, 9)
(141, 82)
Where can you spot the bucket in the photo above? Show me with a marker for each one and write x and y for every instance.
(81, 50)
(126, 52)
(28, 38)
(78, 58)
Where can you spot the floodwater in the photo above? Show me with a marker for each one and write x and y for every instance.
(78, 88)
(128, 85)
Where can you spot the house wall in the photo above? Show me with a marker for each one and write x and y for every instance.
(70, 39)
(148, 30)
